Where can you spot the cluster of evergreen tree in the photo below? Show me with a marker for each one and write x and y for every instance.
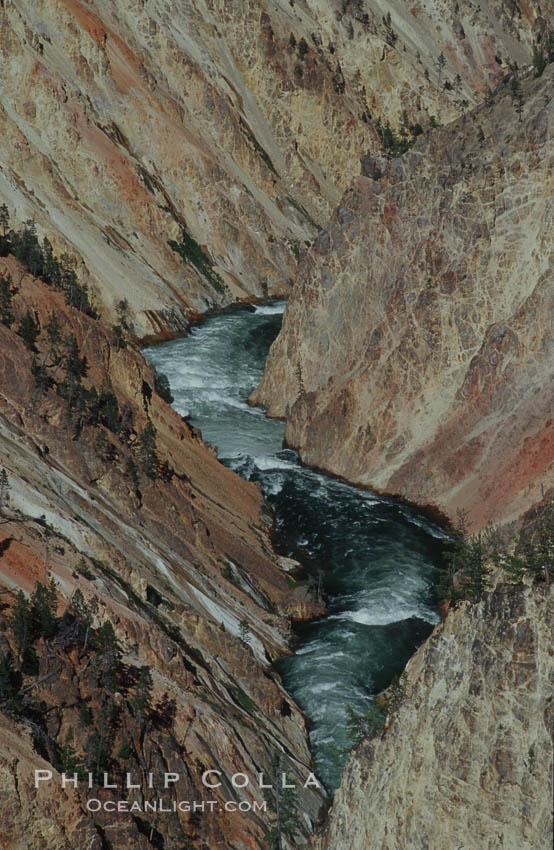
(39, 258)
(7, 316)
(543, 53)
(360, 726)
(532, 556)
(5, 488)
(161, 384)
(470, 559)
(63, 368)
(32, 618)
(124, 329)
(60, 364)
(191, 252)
(283, 804)
(35, 618)
(395, 144)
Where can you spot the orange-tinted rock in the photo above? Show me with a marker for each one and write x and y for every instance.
(246, 121)
(157, 558)
(416, 351)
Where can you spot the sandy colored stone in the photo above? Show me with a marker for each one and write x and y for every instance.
(416, 350)
(244, 121)
(467, 759)
(174, 538)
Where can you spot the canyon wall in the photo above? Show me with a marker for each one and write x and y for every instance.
(122, 124)
(177, 558)
(416, 354)
(467, 758)
(232, 130)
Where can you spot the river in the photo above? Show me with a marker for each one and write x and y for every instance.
(374, 557)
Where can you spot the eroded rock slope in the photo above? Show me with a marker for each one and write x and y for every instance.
(467, 760)
(175, 549)
(416, 350)
(122, 123)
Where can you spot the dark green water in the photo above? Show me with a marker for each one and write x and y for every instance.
(375, 558)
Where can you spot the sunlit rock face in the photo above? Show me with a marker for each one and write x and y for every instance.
(416, 350)
(243, 122)
(233, 129)
(159, 555)
(467, 759)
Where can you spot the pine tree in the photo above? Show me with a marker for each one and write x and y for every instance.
(97, 751)
(85, 714)
(75, 365)
(10, 685)
(440, 65)
(44, 605)
(284, 805)
(502, 559)
(519, 106)
(125, 751)
(54, 336)
(21, 623)
(516, 568)
(475, 568)
(105, 639)
(27, 248)
(539, 60)
(131, 472)
(141, 702)
(119, 338)
(108, 409)
(83, 570)
(68, 761)
(84, 612)
(244, 631)
(42, 379)
(123, 313)
(161, 384)
(5, 488)
(29, 330)
(146, 451)
(101, 445)
(4, 220)
(6, 298)
(50, 266)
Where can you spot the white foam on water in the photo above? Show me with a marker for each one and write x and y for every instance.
(269, 462)
(270, 309)
(323, 687)
(211, 374)
(274, 486)
(384, 617)
(315, 646)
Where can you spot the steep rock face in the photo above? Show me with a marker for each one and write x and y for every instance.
(467, 759)
(44, 818)
(416, 350)
(243, 122)
(176, 561)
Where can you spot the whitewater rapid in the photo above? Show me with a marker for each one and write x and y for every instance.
(374, 558)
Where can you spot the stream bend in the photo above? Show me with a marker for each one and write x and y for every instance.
(374, 557)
